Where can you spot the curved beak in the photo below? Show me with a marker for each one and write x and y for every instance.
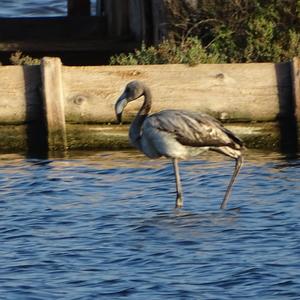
(120, 105)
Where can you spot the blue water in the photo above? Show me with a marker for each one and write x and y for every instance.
(103, 226)
(35, 8)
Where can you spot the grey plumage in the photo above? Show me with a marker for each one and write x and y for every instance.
(177, 134)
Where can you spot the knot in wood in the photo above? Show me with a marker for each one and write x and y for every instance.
(134, 73)
(79, 99)
(224, 116)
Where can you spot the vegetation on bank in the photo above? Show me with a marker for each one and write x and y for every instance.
(225, 32)
(189, 52)
(18, 58)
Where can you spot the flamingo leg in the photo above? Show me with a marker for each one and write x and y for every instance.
(238, 163)
(179, 196)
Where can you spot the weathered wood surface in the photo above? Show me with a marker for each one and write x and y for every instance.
(231, 92)
(13, 138)
(117, 17)
(296, 86)
(79, 8)
(69, 46)
(160, 22)
(51, 28)
(145, 20)
(54, 103)
(19, 94)
(140, 20)
(92, 136)
(114, 137)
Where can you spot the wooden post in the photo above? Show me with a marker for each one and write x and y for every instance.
(99, 8)
(141, 20)
(117, 17)
(296, 93)
(79, 8)
(160, 21)
(296, 86)
(54, 103)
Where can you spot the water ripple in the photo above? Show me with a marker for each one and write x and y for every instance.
(99, 226)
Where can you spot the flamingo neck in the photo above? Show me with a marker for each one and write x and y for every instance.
(136, 126)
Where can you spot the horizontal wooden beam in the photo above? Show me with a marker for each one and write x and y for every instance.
(80, 100)
(114, 137)
(19, 94)
(230, 92)
(66, 46)
(51, 28)
(233, 92)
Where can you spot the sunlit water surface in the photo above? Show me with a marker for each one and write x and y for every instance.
(103, 226)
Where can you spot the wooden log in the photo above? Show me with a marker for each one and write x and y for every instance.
(54, 103)
(115, 137)
(235, 92)
(13, 138)
(79, 8)
(21, 114)
(92, 136)
(19, 94)
(230, 92)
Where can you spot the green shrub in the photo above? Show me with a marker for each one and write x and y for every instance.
(18, 58)
(261, 41)
(189, 52)
(294, 44)
(218, 31)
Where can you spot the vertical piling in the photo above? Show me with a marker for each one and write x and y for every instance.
(54, 103)
(78, 8)
(296, 85)
(296, 93)
(117, 17)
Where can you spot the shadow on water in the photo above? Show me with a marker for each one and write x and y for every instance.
(286, 118)
(36, 129)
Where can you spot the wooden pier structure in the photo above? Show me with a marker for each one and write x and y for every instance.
(68, 102)
(80, 38)
(56, 107)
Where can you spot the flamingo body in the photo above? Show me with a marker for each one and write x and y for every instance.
(177, 134)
